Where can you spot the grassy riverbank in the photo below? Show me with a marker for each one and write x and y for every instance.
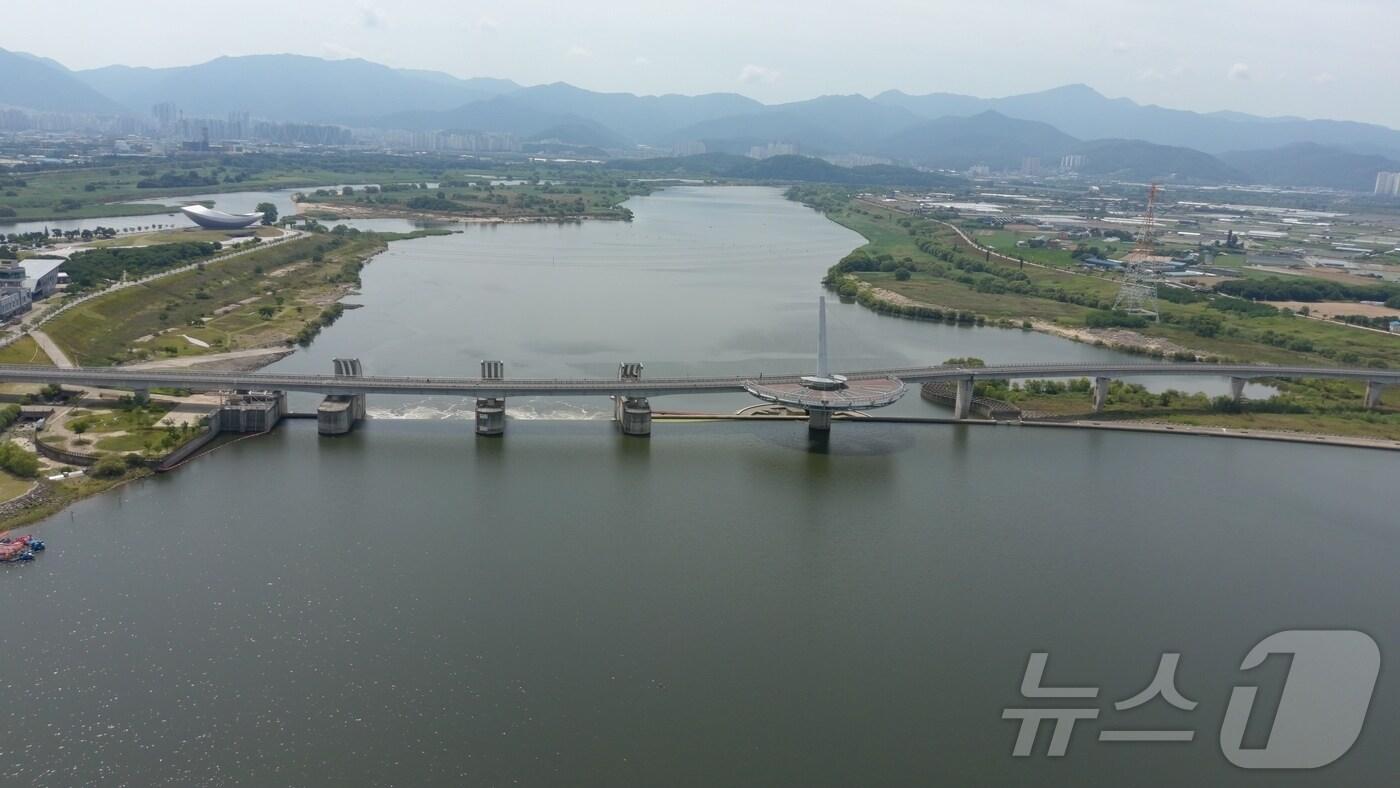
(944, 275)
(270, 297)
(478, 198)
(1313, 407)
(60, 495)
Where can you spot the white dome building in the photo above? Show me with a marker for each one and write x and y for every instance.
(218, 220)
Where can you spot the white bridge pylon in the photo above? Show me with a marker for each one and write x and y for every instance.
(825, 393)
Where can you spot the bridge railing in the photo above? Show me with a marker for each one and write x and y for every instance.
(254, 380)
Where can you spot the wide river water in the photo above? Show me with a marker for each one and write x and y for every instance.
(721, 604)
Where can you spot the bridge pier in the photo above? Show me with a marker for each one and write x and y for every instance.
(962, 405)
(338, 413)
(334, 416)
(1237, 389)
(490, 416)
(633, 414)
(818, 420)
(1374, 390)
(491, 411)
(1100, 393)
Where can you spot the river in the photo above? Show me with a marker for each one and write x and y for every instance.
(722, 604)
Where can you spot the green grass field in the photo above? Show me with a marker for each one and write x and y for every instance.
(947, 294)
(121, 420)
(221, 305)
(24, 351)
(1005, 241)
(13, 486)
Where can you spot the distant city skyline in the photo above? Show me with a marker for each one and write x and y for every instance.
(1280, 57)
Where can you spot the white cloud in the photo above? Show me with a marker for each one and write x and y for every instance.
(1324, 78)
(578, 51)
(371, 16)
(758, 75)
(1238, 72)
(641, 60)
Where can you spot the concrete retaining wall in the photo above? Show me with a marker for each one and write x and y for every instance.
(63, 455)
(183, 453)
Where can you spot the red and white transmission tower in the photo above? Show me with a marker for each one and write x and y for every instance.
(1138, 295)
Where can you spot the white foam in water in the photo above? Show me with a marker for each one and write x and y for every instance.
(561, 411)
(420, 413)
(529, 412)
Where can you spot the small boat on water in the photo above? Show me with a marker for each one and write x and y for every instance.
(20, 548)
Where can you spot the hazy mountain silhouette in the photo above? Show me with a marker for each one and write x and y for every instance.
(1083, 112)
(1309, 164)
(288, 88)
(988, 138)
(940, 130)
(34, 82)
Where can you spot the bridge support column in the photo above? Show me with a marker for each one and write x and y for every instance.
(818, 420)
(1374, 389)
(490, 416)
(635, 417)
(334, 416)
(141, 396)
(1100, 393)
(491, 411)
(633, 414)
(338, 413)
(962, 406)
(1237, 389)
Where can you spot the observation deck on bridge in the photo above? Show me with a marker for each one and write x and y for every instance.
(824, 393)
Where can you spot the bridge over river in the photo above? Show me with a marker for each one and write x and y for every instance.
(346, 389)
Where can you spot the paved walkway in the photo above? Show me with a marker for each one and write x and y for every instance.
(56, 354)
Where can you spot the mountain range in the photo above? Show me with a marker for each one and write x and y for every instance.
(1115, 136)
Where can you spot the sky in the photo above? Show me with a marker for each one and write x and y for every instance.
(1313, 58)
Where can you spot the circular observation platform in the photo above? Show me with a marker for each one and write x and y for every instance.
(830, 392)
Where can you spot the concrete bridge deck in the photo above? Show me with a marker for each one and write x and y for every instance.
(145, 379)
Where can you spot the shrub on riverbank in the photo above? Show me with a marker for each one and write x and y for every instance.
(328, 316)
(109, 467)
(1103, 318)
(18, 461)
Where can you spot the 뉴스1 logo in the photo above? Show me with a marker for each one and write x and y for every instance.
(1320, 712)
